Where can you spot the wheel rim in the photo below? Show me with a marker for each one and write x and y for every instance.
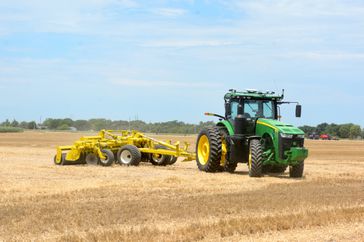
(203, 150)
(223, 152)
(125, 157)
(104, 161)
(157, 158)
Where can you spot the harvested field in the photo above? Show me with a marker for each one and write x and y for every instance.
(41, 201)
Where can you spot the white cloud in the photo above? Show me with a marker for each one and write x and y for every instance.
(187, 43)
(168, 84)
(169, 12)
(306, 8)
(327, 56)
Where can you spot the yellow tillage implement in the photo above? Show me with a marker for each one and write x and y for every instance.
(123, 147)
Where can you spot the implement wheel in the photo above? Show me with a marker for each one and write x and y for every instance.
(109, 157)
(92, 159)
(255, 161)
(158, 159)
(172, 160)
(129, 155)
(297, 170)
(208, 149)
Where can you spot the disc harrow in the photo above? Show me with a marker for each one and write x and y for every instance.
(123, 147)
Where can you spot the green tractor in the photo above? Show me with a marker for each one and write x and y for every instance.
(250, 132)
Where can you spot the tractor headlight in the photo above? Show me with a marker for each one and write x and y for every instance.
(301, 136)
(287, 136)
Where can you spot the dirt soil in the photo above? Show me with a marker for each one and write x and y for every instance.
(43, 202)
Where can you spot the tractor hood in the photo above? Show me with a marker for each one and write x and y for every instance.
(279, 126)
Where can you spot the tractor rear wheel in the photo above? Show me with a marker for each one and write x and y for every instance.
(159, 159)
(226, 164)
(297, 170)
(255, 161)
(129, 155)
(208, 149)
(109, 157)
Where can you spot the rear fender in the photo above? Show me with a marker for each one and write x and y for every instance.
(227, 125)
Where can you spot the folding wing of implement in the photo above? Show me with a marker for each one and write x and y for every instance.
(123, 147)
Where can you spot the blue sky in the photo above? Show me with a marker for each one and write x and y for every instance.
(174, 60)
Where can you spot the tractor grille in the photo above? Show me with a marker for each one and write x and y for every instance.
(286, 144)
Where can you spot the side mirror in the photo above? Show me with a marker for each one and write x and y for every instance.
(227, 109)
(240, 109)
(298, 111)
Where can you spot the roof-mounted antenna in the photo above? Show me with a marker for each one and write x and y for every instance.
(282, 93)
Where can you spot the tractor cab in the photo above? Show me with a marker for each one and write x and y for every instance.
(249, 129)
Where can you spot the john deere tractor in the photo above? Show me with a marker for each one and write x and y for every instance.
(250, 132)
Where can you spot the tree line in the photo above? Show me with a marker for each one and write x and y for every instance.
(175, 126)
(343, 131)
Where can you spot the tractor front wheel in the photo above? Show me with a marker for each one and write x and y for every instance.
(255, 161)
(297, 170)
(208, 149)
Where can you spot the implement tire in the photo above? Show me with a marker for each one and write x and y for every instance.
(297, 170)
(92, 159)
(172, 160)
(208, 150)
(255, 161)
(129, 155)
(109, 157)
(158, 159)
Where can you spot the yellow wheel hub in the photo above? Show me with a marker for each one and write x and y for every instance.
(223, 152)
(203, 151)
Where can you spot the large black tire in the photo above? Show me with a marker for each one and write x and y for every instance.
(109, 157)
(229, 165)
(92, 159)
(158, 159)
(129, 155)
(208, 150)
(255, 162)
(297, 170)
(65, 162)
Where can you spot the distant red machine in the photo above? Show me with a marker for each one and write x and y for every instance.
(325, 137)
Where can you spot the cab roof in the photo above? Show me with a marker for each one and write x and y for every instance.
(253, 94)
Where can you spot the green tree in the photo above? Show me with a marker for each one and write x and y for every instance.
(344, 130)
(32, 125)
(63, 127)
(355, 131)
(23, 125)
(14, 123)
(321, 128)
(6, 123)
(82, 125)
